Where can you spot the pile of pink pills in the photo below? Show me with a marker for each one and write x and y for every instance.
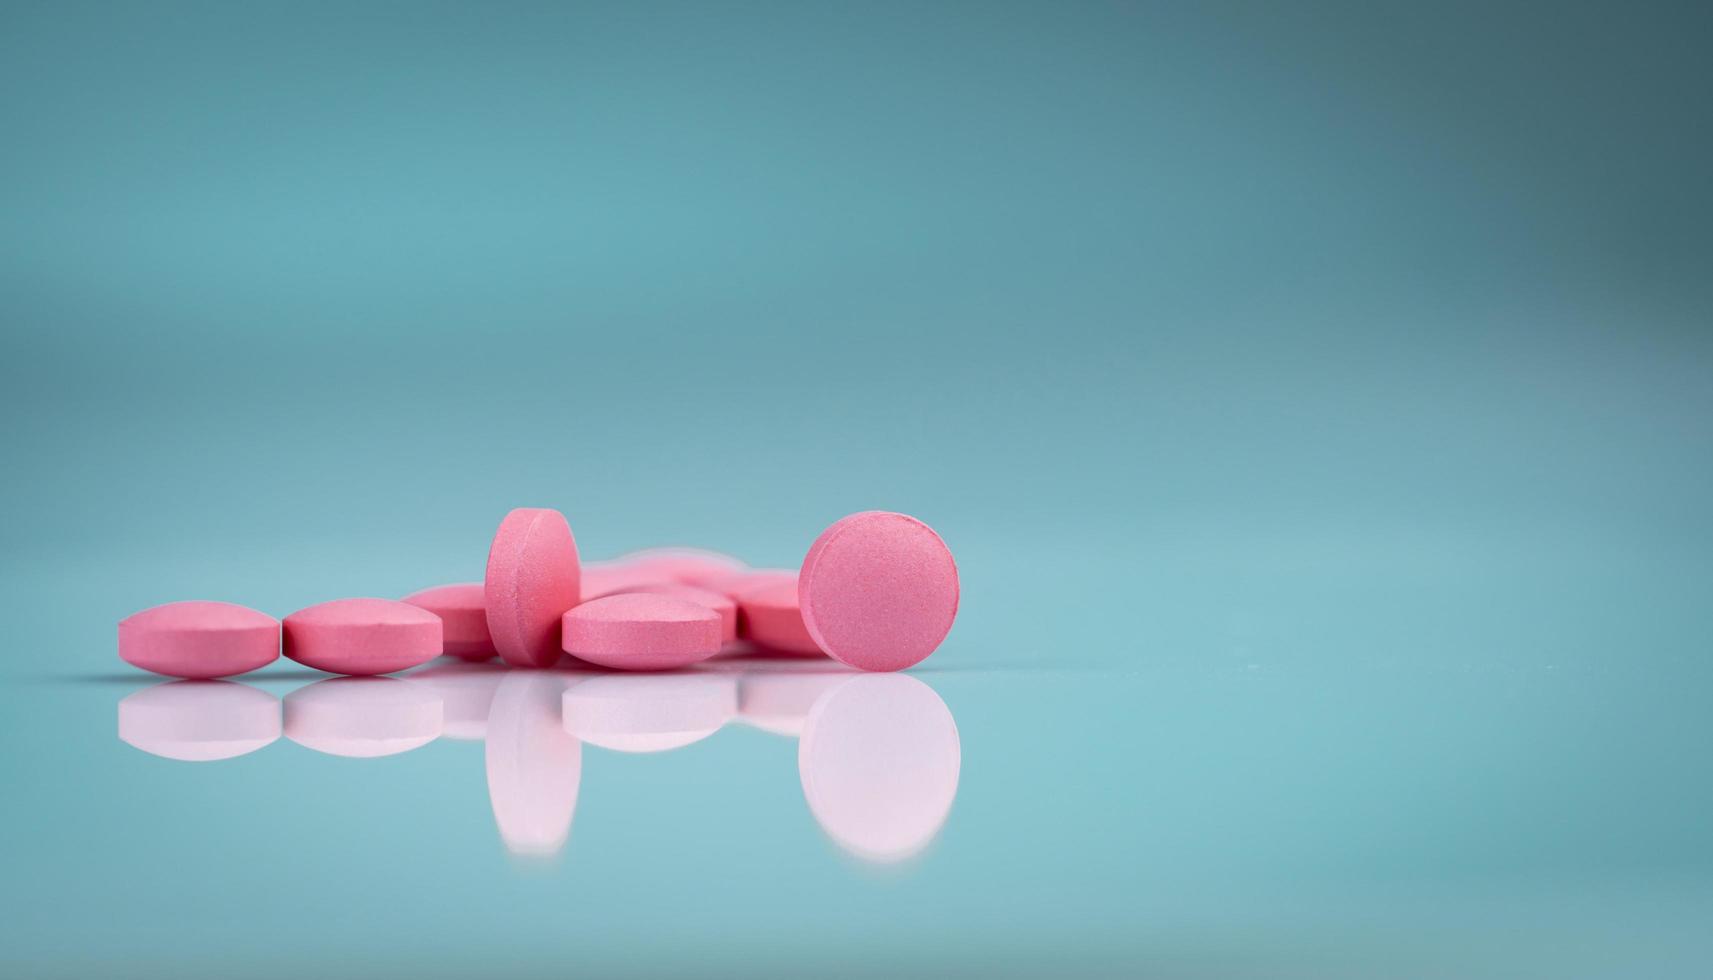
(877, 591)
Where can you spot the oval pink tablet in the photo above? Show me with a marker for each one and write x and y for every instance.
(879, 760)
(641, 631)
(739, 584)
(878, 590)
(199, 639)
(533, 577)
(773, 622)
(362, 636)
(463, 612)
(363, 717)
(199, 721)
(717, 601)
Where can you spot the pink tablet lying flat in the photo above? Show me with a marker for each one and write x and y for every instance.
(463, 613)
(641, 631)
(772, 622)
(878, 590)
(362, 636)
(692, 566)
(719, 602)
(879, 760)
(199, 721)
(363, 717)
(533, 577)
(199, 639)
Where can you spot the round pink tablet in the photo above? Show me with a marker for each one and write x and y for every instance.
(363, 717)
(772, 621)
(879, 760)
(878, 590)
(642, 631)
(199, 721)
(717, 601)
(199, 639)
(362, 636)
(533, 578)
(463, 612)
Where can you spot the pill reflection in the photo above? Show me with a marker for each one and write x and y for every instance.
(879, 761)
(199, 721)
(466, 692)
(534, 765)
(649, 713)
(363, 717)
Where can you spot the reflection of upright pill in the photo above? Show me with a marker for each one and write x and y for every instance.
(199, 639)
(362, 636)
(642, 631)
(463, 613)
(878, 591)
(879, 760)
(773, 621)
(363, 717)
(199, 721)
(533, 576)
(534, 766)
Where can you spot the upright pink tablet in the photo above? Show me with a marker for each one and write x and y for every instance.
(362, 636)
(533, 578)
(773, 622)
(878, 590)
(199, 639)
(199, 721)
(717, 601)
(641, 631)
(463, 612)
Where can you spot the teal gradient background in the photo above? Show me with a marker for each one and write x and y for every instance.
(1318, 399)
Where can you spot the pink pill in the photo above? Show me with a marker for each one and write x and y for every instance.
(640, 631)
(199, 721)
(363, 717)
(717, 601)
(463, 612)
(879, 760)
(199, 639)
(739, 584)
(878, 590)
(691, 566)
(362, 636)
(773, 622)
(609, 578)
(533, 578)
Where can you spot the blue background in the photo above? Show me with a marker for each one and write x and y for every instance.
(1316, 397)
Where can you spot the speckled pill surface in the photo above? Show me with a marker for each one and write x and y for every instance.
(878, 591)
(199, 639)
(773, 622)
(463, 612)
(533, 577)
(642, 631)
(362, 636)
(717, 601)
